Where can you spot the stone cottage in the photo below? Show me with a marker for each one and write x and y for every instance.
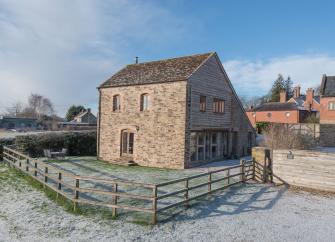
(85, 116)
(173, 113)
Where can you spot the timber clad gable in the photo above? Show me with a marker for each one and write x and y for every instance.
(192, 117)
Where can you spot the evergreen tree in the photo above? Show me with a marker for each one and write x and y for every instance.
(288, 88)
(73, 111)
(277, 87)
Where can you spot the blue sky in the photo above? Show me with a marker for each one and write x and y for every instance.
(65, 49)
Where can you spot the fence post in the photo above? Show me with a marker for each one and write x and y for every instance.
(59, 181)
(228, 175)
(253, 168)
(154, 205)
(27, 165)
(45, 175)
(242, 170)
(114, 212)
(76, 196)
(186, 194)
(210, 182)
(59, 184)
(35, 172)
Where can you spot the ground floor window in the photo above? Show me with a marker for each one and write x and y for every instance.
(208, 145)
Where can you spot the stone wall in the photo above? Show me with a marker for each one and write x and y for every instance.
(159, 132)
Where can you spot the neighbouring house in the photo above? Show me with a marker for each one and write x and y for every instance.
(327, 92)
(327, 111)
(84, 120)
(296, 110)
(85, 116)
(18, 123)
(173, 113)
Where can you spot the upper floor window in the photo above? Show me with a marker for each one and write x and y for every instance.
(331, 106)
(202, 106)
(116, 103)
(144, 102)
(218, 105)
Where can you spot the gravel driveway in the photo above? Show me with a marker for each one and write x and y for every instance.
(254, 212)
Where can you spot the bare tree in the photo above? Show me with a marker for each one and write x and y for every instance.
(15, 110)
(39, 106)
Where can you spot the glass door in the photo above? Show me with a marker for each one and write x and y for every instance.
(127, 143)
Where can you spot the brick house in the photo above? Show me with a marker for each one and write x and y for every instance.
(293, 111)
(327, 92)
(327, 111)
(174, 113)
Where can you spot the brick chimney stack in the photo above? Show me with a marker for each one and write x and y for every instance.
(296, 92)
(309, 98)
(283, 96)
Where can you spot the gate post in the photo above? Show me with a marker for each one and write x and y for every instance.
(242, 170)
(154, 205)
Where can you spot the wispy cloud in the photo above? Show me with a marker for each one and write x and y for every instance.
(64, 49)
(255, 78)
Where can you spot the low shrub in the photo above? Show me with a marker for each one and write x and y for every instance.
(261, 126)
(4, 142)
(279, 136)
(78, 143)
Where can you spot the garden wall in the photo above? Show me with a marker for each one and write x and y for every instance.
(311, 169)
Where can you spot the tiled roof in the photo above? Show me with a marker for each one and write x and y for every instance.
(276, 106)
(167, 70)
(300, 100)
(328, 86)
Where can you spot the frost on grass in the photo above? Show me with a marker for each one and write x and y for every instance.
(255, 212)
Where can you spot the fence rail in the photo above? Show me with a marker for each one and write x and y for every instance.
(78, 189)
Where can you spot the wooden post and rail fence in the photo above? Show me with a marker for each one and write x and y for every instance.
(75, 188)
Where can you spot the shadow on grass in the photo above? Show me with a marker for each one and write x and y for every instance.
(236, 200)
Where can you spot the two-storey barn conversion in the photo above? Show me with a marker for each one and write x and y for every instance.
(174, 113)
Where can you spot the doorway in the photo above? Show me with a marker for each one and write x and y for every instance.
(127, 143)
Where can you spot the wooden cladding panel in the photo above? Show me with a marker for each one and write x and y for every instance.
(312, 169)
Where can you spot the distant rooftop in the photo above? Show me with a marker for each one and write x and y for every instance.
(277, 106)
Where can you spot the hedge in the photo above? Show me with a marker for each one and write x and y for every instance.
(4, 142)
(83, 143)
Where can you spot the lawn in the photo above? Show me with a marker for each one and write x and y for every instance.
(89, 166)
